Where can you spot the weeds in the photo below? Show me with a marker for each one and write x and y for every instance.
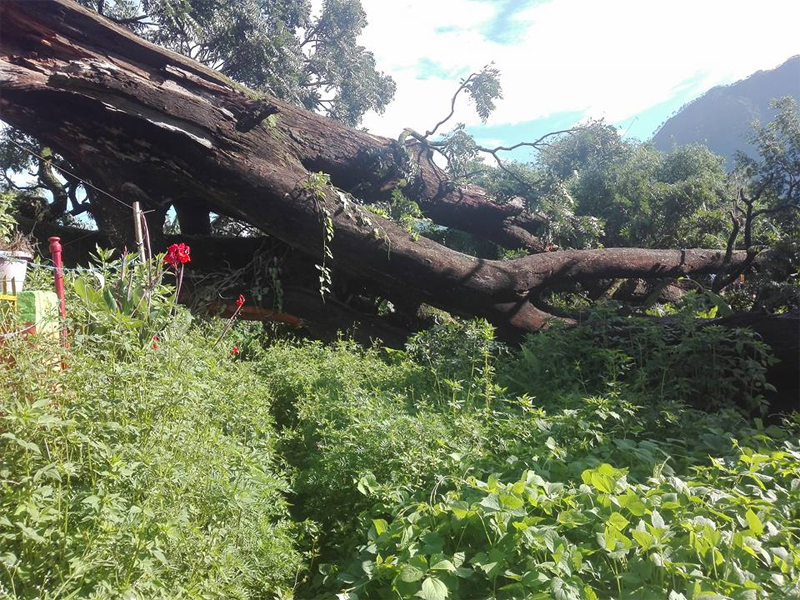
(577, 467)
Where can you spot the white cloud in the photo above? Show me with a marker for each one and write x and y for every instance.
(608, 59)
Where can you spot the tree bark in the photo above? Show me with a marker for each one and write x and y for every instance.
(126, 111)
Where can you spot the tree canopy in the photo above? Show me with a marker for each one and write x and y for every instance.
(273, 46)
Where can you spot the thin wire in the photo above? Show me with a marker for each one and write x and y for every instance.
(32, 265)
(62, 169)
(77, 239)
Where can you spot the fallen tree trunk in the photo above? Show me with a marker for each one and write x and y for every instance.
(125, 111)
(303, 310)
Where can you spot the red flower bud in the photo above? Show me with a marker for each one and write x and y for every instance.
(240, 300)
(235, 350)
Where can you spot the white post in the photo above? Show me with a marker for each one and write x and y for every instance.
(137, 228)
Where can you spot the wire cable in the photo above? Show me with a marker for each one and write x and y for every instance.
(63, 170)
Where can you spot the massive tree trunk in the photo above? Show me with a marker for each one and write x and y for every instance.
(125, 111)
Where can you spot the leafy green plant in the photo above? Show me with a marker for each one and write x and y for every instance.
(125, 296)
(7, 221)
(153, 476)
(601, 536)
(402, 211)
(461, 355)
(710, 366)
(574, 467)
(315, 186)
(598, 500)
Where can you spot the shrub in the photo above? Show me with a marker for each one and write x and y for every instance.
(572, 468)
(353, 414)
(710, 367)
(711, 535)
(541, 526)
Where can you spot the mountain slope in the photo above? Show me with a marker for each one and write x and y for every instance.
(722, 117)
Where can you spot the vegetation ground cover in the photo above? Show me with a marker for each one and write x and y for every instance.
(161, 464)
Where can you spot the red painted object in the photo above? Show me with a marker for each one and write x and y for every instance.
(55, 252)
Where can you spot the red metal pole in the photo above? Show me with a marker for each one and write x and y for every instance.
(55, 252)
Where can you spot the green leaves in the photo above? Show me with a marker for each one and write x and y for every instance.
(168, 458)
(643, 494)
(711, 368)
(442, 564)
(604, 478)
(274, 47)
(153, 472)
(506, 535)
(644, 539)
(124, 297)
(617, 521)
(413, 572)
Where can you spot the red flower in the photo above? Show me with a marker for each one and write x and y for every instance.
(155, 338)
(155, 346)
(177, 254)
(235, 350)
(240, 300)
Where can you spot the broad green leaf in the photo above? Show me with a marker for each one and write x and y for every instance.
(460, 509)
(411, 573)
(511, 502)
(562, 590)
(443, 565)
(632, 502)
(755, 524)
(491, 502)
(644, 539)
(657, 520)
(367, 484)
(380, 526)
(618, 521)
(433, 589)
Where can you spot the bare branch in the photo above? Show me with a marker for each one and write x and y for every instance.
(777, 209)
(720, 280)
(460, 89)
(535, 144)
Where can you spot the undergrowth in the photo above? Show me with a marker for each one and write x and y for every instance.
(618, 460)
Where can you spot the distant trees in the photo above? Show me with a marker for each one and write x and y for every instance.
(776, 171)
(594, 188)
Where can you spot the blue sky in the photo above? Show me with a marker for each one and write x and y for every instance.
(632, 62)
